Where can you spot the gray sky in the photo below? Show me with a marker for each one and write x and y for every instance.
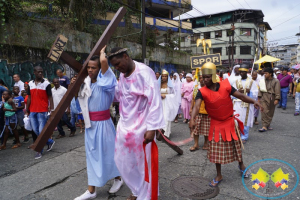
(275, 11)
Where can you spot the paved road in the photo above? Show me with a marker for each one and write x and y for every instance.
(61, 173)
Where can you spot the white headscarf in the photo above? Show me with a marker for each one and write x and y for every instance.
(177, 87)
(232, 78)
(189, 75)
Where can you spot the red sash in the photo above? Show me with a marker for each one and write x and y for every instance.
(154, 170)
(100, 115)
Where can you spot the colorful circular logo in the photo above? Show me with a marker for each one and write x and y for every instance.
(271, 179)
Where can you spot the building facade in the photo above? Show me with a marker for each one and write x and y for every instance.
(286, 53)
(246, 27)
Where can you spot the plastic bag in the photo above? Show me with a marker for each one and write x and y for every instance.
(27, 124)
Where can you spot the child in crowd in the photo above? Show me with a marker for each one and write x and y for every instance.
(10, 120)
(20, 105)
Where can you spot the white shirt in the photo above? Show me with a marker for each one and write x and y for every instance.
(20, 84)
(57, 95)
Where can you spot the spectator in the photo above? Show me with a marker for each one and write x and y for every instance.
(157, 74)
(296, 95)
(63, 80)
(58, 93)
(18, 83)
(10, 120)
(286, 87)
(39, 94)
(20, 105)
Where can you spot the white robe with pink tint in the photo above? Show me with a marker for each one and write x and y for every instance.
(187, 88)
(140, 111)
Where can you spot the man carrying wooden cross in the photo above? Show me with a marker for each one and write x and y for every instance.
(95, 97)
(141, 113)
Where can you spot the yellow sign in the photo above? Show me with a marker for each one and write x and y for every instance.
(198, 61)
(57, 48)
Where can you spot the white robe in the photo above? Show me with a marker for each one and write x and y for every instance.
(242, 111)
(140, 111)
(170, 108)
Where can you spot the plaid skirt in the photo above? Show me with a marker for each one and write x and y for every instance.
(202, 125)
(224, 152)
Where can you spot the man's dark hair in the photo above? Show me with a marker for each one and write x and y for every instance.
(9, 92)
(2, 82)
(96, 58)
(17, 75)
(55, 79)
(157, 72)
(37, 67)
(119, 55)
(59, 70)
(269, 70)
(267, 64)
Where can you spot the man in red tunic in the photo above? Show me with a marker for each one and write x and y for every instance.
(224, 138)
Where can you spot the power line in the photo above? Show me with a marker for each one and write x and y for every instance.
(286, 20)
(240, 3)
(231, 4)
(247, 4)
(284, 13)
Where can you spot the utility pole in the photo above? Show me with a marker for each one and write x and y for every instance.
(232, 45)
(143, 32)
(228, 51)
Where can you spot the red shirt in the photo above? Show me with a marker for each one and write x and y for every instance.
(39, 95)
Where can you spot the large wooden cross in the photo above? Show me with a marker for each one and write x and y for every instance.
(57, 53)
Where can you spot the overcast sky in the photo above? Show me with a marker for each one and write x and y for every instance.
(276, 12)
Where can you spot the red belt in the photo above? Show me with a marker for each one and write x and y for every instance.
(154, 169)
(100, 115)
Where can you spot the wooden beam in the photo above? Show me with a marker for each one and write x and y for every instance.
(65, 102)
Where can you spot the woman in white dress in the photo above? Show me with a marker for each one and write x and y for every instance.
(169, 101)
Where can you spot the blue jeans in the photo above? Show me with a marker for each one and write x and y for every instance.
(297, 102)
(284, 93)
(246, 132)
(73, 118)
(38, 121)
(65, 119)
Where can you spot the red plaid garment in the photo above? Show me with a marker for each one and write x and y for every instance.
(224, 152)
(202, 125)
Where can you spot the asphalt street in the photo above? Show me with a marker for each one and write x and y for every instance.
(61, 173)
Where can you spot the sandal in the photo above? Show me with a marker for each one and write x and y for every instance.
(256, 123)
(205, 147)
(16, 146)
(194, 148)
(262, 130)
(2, 147)
(184, 121)
(216, 183)
(176, 121)
(247, 174)
(131, 197)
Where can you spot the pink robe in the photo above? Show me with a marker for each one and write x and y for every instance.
(140, 111)
(187, 89)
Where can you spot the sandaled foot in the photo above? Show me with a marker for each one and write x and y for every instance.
(131, 197)
(256, 123)
(184, 121)
(205, 147)
(262, 130)
(270, 128)
(215, 183)
(244, 141)
(30, 146)
(176, 121)
(81, 131)
(2, 147)
(16, 146)
(194, 148)
(246, 174)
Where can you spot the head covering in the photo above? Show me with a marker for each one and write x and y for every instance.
(210, 68)
(244, 68)
(276, 68)
(189, 75)
(170, 82)
(165, 72)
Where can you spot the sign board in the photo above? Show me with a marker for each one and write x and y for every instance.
(199, 61)
(57, 48)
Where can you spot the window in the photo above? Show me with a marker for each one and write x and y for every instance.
(230, 49)
(229, 32)
(207, 35)
(218, 34)
(245, 50)
(217, 50)
(194, 38)
(245, 31)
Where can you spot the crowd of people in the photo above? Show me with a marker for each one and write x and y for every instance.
(220, 106)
